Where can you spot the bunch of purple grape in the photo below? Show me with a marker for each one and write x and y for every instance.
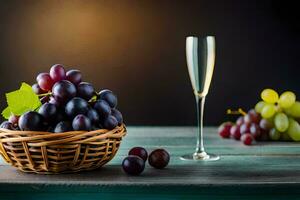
(68, 104)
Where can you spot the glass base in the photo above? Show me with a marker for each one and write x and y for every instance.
(200, 157)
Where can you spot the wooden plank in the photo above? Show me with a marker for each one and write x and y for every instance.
(263, 169)
(230, 170)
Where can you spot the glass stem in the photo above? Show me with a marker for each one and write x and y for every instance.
(200, 109)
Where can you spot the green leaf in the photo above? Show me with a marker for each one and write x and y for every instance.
(26, 87)
(21, 101)
(6, 113)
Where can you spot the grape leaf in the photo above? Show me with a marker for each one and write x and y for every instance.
(6, 113)
(21, 101)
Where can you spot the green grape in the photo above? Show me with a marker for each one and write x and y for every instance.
(268, 111)
(281, 122)
(294, 110)
(285, 137)
(294, 130)
(259, 106)
(269, 96)
(287, 99)
(274, 134)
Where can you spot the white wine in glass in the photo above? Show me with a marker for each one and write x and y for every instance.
(200, 55)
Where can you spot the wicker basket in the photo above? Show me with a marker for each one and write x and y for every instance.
(53, 153)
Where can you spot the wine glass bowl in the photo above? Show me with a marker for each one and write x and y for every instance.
(200, 55)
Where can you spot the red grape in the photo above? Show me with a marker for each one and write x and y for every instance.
(57, 73)
(224, 129)
(235, 132)
(252, 117)
(240, 120)
(245, 128)
(159, 158)
(265, 125)
(14, 119)
(247, 139)
(255, 130)
(140, 152)
(45, 82)
(41, 75)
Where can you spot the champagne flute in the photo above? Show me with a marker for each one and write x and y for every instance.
(200, 55)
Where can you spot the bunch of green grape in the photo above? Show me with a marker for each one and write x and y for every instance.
(283, 112)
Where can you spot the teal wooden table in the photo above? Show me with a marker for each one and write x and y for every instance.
(269, 170)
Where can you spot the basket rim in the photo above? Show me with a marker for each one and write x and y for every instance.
(70, 136)
(4, 130)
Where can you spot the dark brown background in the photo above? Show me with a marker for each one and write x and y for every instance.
(137, 48)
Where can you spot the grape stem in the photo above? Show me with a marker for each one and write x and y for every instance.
(240, 111)
(94, 98)
(45, 94)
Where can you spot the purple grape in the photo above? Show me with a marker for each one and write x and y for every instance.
(85, 90)
(55, 102)
(63, 91)
(36, 88)
(81, 123)
(7, 125)
(49, 112)
(102, 108)
(93, 115)
(133, 165)
(63, 126)
(110, 122)
(76, 106)
(109, 97)
(74, 76)
(31, 121)
(118, 115)
(61, 115)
